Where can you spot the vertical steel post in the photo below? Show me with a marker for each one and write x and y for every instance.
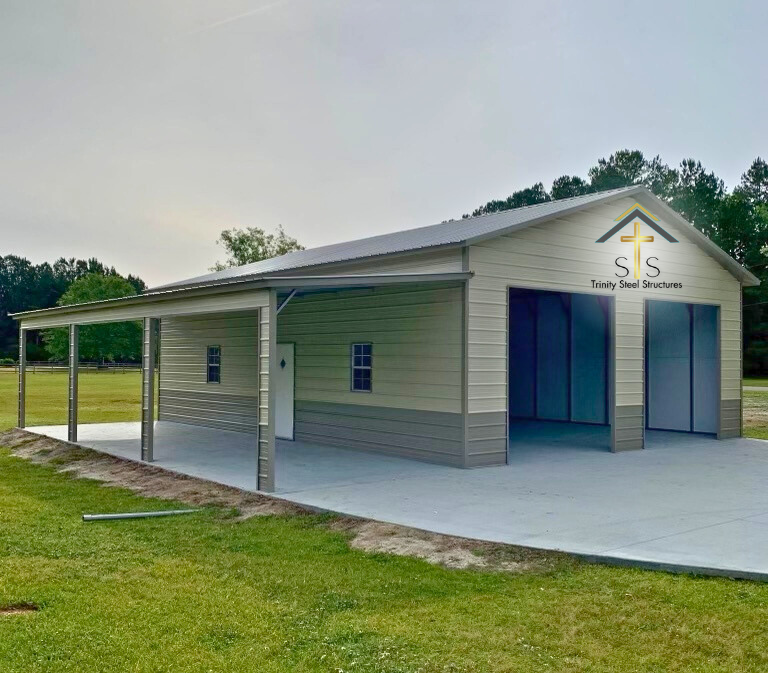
(22, 377)
(148, 351)
(74, 359)
(265, 476)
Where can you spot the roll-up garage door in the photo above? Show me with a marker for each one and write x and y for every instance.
(558, 356)
(681, 367)
(552, 358)
(589, 359)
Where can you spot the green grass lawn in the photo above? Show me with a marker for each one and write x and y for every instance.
(762, 382)
(285, 593)
(208, 592)
(756, 414)
(104, 397)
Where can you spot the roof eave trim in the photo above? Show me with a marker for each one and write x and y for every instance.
(352, 280)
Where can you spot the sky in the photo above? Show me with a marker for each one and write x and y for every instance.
(136, 131)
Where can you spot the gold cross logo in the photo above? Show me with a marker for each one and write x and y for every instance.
(637, 239)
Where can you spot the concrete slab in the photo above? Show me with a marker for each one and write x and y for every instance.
(687, 500)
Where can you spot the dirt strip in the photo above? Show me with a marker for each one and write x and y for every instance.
(363, 534)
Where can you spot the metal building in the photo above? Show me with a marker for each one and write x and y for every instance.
(606, 311)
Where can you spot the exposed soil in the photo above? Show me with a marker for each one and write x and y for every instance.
(445, 550)
(150, 481)
(364, 534)
(18, 609)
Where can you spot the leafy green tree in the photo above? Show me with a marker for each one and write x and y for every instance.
(698, 196)
(621, 169)
(525, 197)
(754, 183)
(660, 178)
(19, 290)
(567, 186)
(245, 246)
(25, 286)
(753, 191)
(109, 342)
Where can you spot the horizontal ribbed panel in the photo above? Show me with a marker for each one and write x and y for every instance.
(430, 436)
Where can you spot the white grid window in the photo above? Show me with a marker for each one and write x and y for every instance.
(214, 364)
(362, 367)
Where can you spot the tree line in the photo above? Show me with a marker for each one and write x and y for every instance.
(25, 286)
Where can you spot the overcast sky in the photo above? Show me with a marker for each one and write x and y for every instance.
(135, 131)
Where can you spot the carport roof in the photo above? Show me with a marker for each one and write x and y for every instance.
(160, 297)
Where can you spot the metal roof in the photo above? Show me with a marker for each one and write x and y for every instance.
(450, 233)
(453, 233)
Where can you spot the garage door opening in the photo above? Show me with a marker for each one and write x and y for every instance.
(682, 363)
(559, 374)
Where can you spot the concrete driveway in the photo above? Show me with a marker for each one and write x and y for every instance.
(687, 501)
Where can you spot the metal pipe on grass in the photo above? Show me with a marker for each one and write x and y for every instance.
(136, 515)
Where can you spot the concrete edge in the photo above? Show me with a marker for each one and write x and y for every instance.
(675, 568)
(596, 559)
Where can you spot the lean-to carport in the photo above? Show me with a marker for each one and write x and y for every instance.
(262, 297)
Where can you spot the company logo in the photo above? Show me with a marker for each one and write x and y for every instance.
(633, 214)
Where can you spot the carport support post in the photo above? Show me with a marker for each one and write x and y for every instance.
(22, 377)
(74, 361)
(148, 351)
(265, 470)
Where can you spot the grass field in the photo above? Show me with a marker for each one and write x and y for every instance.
(762, 382)
(756, 414)
(104, 397)
(286, 593)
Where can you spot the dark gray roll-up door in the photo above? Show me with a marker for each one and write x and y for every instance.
(669, 365)
(558, 356)
(552, 359)
(681, 367)
(589, 360)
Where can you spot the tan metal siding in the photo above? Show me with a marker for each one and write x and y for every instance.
(730, 419)
(486, 439)
(416, 337)
(185, 396)
(431, 436)
(562, 255)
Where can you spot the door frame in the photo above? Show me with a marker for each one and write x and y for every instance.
(608, 301)
(293, 422)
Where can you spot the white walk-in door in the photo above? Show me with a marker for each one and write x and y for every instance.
(284, 391)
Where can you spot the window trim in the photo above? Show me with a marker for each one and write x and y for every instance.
(208, 364)
(352, 367)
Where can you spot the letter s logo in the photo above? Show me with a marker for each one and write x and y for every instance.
(621, 266)
(653, 266)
